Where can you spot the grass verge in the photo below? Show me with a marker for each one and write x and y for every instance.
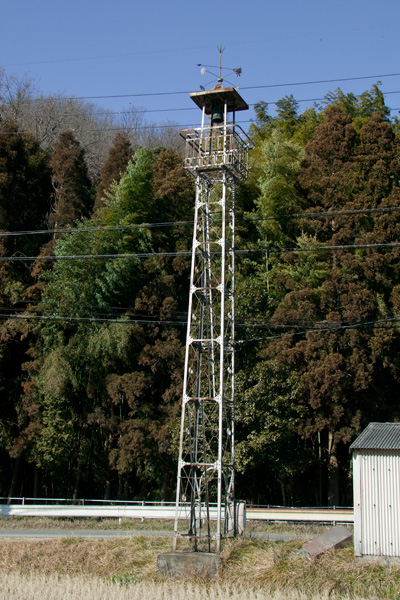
(125, 567)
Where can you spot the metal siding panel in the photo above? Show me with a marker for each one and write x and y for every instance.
(380, 503)
(357, 460)
(367, 511)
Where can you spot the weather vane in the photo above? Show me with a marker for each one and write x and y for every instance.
(204, 70)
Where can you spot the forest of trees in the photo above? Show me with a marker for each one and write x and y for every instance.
(92, 327)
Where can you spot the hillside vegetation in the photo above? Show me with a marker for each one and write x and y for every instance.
(93, 308)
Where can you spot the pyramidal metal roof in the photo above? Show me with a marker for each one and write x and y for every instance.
(378, 436)
(219, 94)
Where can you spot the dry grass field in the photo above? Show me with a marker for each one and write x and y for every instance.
(39, 587)
(122, 568)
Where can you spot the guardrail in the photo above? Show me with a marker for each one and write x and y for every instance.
(40, 507)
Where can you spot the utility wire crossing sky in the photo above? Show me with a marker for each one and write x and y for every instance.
(138, 54)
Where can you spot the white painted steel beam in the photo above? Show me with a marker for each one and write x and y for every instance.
(316, 515)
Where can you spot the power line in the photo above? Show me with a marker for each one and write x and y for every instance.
(85, 312)
(248, 218)
(95, 228)
(85, 308)
(185, 109)
(93, 256)
(320, 248)
(275, 85)
(382, 324)
(187, 253)
(125, 128)
(92, 320)
(126, 320)
(330, 213)
(252, 322)
(151, 126)
(141, 53)
(251, 87)
(194, 108)
(317, 325)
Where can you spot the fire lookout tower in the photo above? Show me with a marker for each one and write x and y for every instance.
(216, 154)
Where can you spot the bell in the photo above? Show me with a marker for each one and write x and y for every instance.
(217, 114)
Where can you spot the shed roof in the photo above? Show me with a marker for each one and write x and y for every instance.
(378, 436)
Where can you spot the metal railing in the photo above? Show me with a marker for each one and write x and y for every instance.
(210, 148)
(138, 509)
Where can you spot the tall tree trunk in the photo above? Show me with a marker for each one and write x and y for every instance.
(333, 472)
(107, 489)
(78, 473)
(16, 464)
(165, 486)
(283, 493)
(36, 482)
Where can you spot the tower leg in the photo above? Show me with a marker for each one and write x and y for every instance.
(205, 481)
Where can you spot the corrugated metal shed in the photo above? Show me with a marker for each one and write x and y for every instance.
(376, 483)
(378, 436)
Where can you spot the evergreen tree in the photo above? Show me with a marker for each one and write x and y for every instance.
(339, 380)
(117, 160)
(24, 204)
(73, 198)
(24, 188)
(107, 393)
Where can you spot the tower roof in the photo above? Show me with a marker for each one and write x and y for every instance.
(219, 95)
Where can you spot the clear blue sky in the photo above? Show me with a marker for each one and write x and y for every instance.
(87, 48)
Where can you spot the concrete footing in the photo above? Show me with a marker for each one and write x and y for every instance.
(175, 564)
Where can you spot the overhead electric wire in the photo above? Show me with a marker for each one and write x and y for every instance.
(83, 312)
(96, 228)
(249, 87)
(92, 320)
(93, 256)
(252, 322)
(381, 325)
(330, 213)
(126, 320)
(189, 253)
(107, 56)
(194, 108)
(151, 126)
(30, 305)
(322, 325)
(320, 248)
(318, 82)
(249, 218)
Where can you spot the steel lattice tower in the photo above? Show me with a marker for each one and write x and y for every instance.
(216, 154)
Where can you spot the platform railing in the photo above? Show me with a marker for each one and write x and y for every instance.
(209, 148)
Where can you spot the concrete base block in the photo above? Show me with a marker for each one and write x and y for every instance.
(175, 564)
(335, 538)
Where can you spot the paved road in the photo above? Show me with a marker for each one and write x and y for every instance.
(41, 534)
(77, 533)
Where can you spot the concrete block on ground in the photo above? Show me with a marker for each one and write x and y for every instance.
(175, 564)
(335, 538)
